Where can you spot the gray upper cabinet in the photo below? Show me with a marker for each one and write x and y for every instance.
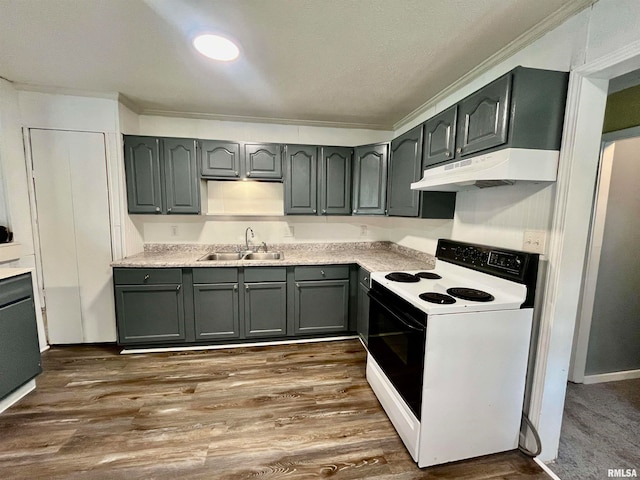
(300, 188)
(440, 137)
(405, 166)
(483, 117)
(263, 161)
(370, 179)
(161, 175)
(335, 180)
(142, 169)
(220, 160)
(182, 185)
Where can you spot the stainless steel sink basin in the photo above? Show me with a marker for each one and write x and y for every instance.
(264, 256)
(220, 256)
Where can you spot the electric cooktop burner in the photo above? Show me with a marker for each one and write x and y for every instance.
(470, 294)
(402, 277)
(434, 297)
(428, 275)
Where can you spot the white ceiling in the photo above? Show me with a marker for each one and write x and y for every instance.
(356, 62)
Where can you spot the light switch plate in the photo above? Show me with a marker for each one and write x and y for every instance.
(534, 241)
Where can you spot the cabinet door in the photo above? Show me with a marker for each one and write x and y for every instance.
(220, 159)
(182, 182)
(405, 166)
(301, 163)
(335, 180)
(263, 161)
(483, 118)
(370, 180)
(142, 170)
(216, 311)
(265, 309)
(321, 306)
(440, 138)
(19, 349)
(150, 313)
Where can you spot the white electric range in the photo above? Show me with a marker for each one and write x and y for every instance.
(448, 350)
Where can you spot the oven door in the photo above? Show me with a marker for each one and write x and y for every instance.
(397, 334)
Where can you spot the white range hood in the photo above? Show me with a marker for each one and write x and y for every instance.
(502, 167)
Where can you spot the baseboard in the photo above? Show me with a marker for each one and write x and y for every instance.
(127, 351)
(17, 395)
(612, 377)
(546, 469)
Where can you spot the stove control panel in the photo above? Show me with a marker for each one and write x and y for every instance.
(510, 264)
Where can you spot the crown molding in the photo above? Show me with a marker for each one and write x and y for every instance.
(277, 120)
(565, 12)
(27, 87)
(130, 104)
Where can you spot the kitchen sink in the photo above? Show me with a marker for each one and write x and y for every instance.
(264, 256)
(227, 256)
(221, 256)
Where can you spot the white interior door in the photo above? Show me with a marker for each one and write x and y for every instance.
(71, 194)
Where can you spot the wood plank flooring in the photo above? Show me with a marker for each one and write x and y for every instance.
(298, 411)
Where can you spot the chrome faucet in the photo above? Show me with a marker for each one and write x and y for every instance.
(246, 238)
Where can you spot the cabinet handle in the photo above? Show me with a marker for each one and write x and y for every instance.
(178, 287)
(248, 174)
(157, 209)
(447, 154)
(314, 210)
(355, 211)
(297, 285)
(235, 287)
(459, 150)
(146, 277)
(366, 279)
(386, 211)
(246, 287)
(237, 173)
(322, 273)
(169, 210)
(324, 211)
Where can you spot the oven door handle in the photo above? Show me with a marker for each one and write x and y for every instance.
(412, 325)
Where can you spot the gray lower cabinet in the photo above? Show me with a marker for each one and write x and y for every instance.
(362, 324)
(265, 302)
(216, 303)
(321, 299)
(149, 305)
(370, 179)
(161, 175)
(19, 348)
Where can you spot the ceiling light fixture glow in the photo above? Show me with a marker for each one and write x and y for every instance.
(216, 47)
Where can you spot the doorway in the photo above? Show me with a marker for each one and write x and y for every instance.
(72, 225)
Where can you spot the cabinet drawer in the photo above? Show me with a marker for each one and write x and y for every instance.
(215, 275)
(364, 277)
(321, 272)
(265, 274)
(147, 276)
(15, 288)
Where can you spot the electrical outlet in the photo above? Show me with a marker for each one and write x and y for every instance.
(363, 230)
(534, 241)
(174, 230)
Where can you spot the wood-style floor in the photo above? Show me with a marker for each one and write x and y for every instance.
(298, 411)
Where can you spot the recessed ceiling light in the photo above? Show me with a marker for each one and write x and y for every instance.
(216, 47)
